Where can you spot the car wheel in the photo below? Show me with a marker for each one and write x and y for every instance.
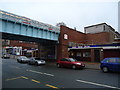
(105, 69)
(36, 63)
(21, 61)
(17, 60)
(73, 67)
(58, 65)
(29, 63)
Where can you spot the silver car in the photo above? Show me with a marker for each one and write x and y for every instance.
(22, 59)
(36, 61)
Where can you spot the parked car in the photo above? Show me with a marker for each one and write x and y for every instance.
(110, 64)
(22, 59)
(36, 61)
(6, 56)
(70, 62)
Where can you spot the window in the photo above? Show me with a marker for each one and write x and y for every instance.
(118, 60)
(78, 54)
(63, 59)
(65, 36)
(71, 54)
(86, 54)
(72, 60)
(112, 60)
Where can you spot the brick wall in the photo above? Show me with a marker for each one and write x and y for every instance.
(73, 36)
(79, 37)
(99, 38)
(25, 45)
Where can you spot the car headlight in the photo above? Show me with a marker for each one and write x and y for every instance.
(39, 62)
(78, 63)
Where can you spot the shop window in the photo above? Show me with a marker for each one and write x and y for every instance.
(86, 54)
(72, 54)
(78, 54)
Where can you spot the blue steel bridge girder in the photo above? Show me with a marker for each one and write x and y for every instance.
(17, 28)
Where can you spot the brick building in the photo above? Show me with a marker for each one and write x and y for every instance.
(91, 45)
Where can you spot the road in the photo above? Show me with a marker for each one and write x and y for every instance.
(21, 75)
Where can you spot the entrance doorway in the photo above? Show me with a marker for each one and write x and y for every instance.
(97, 55)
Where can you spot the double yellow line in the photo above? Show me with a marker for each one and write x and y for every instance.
(13, 78)
(17, 78)
(44, 84)
(51, 86)
(33, 80)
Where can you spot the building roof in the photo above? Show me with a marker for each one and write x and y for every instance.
(95, 25)
(100, 24)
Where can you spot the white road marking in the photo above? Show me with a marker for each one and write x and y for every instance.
(103, 85)
(17, 67)
(40, 72)
(0, 61)
(48, 74)
(35, 71)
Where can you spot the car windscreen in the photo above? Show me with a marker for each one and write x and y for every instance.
(38, 59)
(23, 57)
(72, 60)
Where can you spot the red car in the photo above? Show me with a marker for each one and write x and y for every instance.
(70, 62)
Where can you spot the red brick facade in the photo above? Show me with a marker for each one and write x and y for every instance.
(25, 45)
(85, 39)
(73, 36)
(99, 38)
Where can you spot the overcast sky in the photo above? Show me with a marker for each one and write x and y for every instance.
(74, 13)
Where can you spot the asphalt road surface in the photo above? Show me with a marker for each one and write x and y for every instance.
(22, 75)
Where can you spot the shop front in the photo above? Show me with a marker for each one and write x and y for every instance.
(94, 53)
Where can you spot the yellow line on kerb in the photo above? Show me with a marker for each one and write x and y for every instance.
(51, 86)
(35, 81)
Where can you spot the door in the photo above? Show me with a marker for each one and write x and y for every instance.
(97, 55)
(62, 62)
(112, 64)
(118, 64)
(67, 63)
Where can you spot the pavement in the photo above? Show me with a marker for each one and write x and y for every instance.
(88, 65)
(92, 65)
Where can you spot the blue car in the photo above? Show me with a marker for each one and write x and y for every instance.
(110, 64)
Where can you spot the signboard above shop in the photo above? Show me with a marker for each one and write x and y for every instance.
(106, 46)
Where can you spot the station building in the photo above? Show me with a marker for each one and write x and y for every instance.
(98, 42)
